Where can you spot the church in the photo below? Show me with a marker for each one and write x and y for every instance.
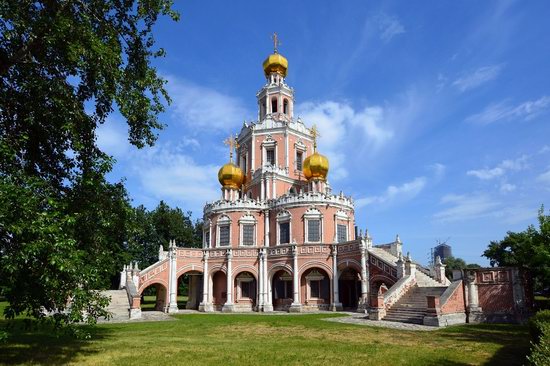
(279, 239)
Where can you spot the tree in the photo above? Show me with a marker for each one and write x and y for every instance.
(64, 67)
(452, 263)
(528, 250)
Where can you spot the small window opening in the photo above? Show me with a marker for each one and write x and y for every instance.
(274, 105)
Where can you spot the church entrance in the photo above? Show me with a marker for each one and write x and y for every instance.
(316, 288)
(282, 290)
(190, 290)
(349, 288)
(219, 290)
(245, 297)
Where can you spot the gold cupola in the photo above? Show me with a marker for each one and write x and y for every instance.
(275, 63)
(316, 165)
(230, 175)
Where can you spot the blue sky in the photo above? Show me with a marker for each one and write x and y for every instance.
(435, 115)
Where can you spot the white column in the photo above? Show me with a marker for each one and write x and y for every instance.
(261, 291)
(336, 304)
(262, 188)
(296, 306)
(266, 228)
(267, 190)
(173, 306)
(205, 305)
(253, 153)
(286, 152)
(274, 190)
(364, 274)
(228, 306)
(268, 306)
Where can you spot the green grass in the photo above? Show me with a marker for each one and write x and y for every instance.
(249, 339)
(149, 302)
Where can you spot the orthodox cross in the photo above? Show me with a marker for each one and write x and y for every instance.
(276, 42)
(233, 144)
(315, 134)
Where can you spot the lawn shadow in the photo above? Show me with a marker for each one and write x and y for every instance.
(512, 339)
(41, 344)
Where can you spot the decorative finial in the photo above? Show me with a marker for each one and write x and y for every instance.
(315, 134)
(232, 143)
(276, 42)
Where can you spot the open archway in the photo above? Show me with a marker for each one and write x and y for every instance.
(154, 298)
(190, 290)
(219, 289)
(245, 291)
(349, 288)
(282, 290)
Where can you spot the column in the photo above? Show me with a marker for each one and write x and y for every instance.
(261, 291)
(262, 188)
(364, 278)
(173, 306)
(228, 306)
(253, 153)
(295, 307)
(286, 153)
(205, 305)
(268, 306)
(266, 228)
(274, 190)
(475, 314)
(336, 304)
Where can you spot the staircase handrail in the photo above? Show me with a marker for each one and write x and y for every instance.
(152, 266)
(446, 295)
(398, 289)
(131, 292)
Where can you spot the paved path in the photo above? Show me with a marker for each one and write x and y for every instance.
(360, 319)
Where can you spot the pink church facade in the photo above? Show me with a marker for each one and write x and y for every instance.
(278, 239)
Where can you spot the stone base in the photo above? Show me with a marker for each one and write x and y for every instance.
(268, 308)
(336, 306)
(228, 308)
(295, 308)
(445, 320)
(134, 313)
(173, 308)
(206, 307)
(476, 316)
(377, 313)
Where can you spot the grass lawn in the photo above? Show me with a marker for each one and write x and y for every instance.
(229, 339)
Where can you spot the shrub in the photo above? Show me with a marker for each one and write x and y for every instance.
(536, 323)
(540, 353)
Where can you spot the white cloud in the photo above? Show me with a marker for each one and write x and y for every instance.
(164, 172)
(112, 138)
(197, 106)
(477, 78)
(465, 207)
(504, 111)
(389, 26)
(404, 192)
(507, 187)
(438, 169)
(337, 121)
(501, 169)
(544, 177)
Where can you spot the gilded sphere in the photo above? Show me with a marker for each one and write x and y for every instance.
(231, 176)
(316, 167)
(275, 63)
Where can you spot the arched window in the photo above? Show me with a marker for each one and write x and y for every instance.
(285, 106)
(223, 231)
(247, 225)
(274, 105)
(313, 226)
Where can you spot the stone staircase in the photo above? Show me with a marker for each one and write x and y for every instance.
(411, 307)
(119, 306)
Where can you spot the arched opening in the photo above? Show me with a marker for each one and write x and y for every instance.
(285, 106)
(349, 288)
(274, 105)
(190, 290)
(282, 290)
(219, 290)
(263, 106)
(153, 298)
(316, 288)
(245, 291)
(377, 281)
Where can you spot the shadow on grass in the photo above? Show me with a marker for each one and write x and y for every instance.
(41, 344)
(512, 340)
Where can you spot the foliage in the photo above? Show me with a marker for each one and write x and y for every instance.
(529, 250)
(540, 353)
(64, 67)
(452, 263)
(536, 323)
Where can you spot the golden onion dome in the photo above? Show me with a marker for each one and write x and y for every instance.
(316, 167)
(231, 176)
(275, 63)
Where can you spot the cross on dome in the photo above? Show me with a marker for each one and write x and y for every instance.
(233, 144)
(276, 42)
(315, 134)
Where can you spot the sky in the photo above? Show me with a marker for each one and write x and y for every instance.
(435, 115)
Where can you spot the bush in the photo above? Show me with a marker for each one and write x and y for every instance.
(540, 353)
(536, 323)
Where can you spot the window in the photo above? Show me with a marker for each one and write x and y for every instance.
(207, 238)
(224, 235)
(285, 106)
(274, 105)
(299, 157)
(284, 232)
(244, 164)
(248, 234)
(315, 288)
(313, 230)
(341, 233)
(245, 289)
(270, 154)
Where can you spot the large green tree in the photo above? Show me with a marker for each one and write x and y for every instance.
(64, 67)
(529, 250)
